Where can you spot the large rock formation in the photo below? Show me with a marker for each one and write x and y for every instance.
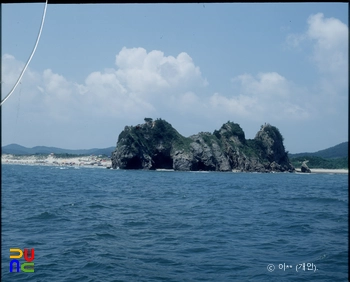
(157, 145)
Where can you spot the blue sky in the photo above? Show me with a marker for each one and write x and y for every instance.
(98, 68)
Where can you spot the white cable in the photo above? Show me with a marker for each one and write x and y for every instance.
(30, 58)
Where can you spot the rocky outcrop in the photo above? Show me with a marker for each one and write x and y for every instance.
(304, 168)
(157, 145)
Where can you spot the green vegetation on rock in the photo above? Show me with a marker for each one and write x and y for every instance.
(156, 144)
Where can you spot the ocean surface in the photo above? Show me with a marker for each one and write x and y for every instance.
(92, 224)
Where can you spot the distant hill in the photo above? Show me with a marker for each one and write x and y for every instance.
(335, 152)
(335, 157)
(318, 162)
(338, 151)
(16, 149)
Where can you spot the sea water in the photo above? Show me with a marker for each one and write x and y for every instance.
(131, 225)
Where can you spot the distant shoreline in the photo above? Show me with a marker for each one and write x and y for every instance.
(51, 160)
(97, 161)
(326, 170)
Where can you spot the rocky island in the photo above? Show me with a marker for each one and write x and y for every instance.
(157, 145)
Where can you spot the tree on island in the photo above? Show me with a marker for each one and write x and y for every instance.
(148, 120)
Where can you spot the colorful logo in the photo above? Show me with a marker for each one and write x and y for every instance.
(27, 266)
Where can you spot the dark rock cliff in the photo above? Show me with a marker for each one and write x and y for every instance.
(157, 145)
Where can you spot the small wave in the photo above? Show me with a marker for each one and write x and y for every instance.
(103, 226)
(179, 225)
(170, 193)
(131, 223)
(44, 216)
(96, 206)
(105, 235)
(197, 250)
(33, 243)
(301, 227)
(160, 261)
(316, 199)
(207, 226)
(212, 200)
(321, 257)
(98, 266)
(74, 251)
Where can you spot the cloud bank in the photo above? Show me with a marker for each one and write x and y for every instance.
(151, 84)
(328, 38)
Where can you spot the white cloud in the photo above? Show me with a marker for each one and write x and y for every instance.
(147, 84)
(11, 69)
(329, 32)
(153, 72)
(150, 84)
(269, 85)
(239, 106)
(143, 84)
(295, 40)
(56, 85)
(271, 96)
(267, 96)
(327, 41)
(329, 38)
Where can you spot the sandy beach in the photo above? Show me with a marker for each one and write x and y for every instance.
(86, 161)
(323, 170)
